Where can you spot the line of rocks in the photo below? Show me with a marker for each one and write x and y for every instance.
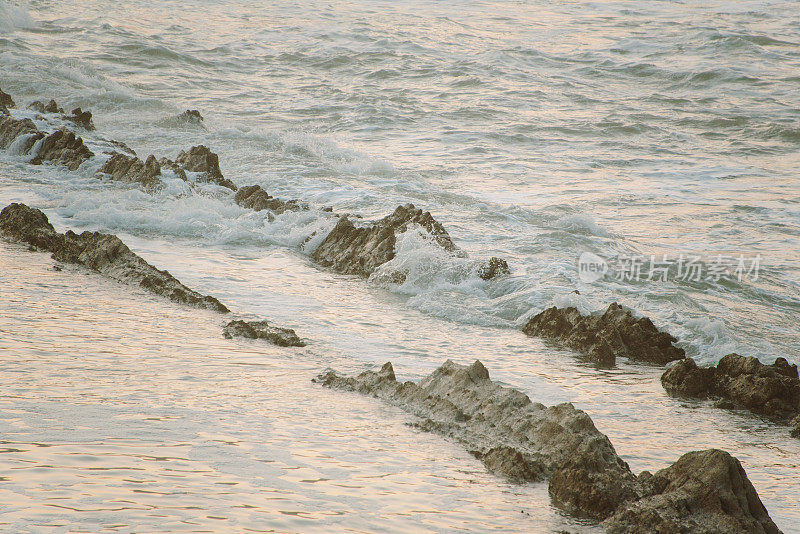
(704, 491)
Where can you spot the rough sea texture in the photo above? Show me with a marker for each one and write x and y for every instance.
(533, 131)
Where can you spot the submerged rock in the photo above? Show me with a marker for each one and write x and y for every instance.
(190, 117)
(103, 253)
(64, 148)
(770, 390)
(493, 268)
(41, 107)
(201, 159)
(177, 169)
(283, 337)
(359, 250)
(81, 118)
(706, 491)
(124, 168)
(6, 101)
(603, 338)
(703, 492)
(255, 198)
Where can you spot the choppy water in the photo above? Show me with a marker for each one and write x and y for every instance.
(533, 131)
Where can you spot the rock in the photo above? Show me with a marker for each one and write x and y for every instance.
(177, 169)
(283, 337)
(64, 148)
(50, 107)
(493, 268)
(739, 381)
(11, 128)
(703, 492)
(359, 250)
(255, 198)
(81, 118)
(514, 437)
(104, 253)
(6, 101)
(190, 117)
(124, 168)
(795, 424)
(201, 159)
(603, 338)
(122, 146)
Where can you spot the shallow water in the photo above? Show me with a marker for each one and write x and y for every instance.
(533, 131)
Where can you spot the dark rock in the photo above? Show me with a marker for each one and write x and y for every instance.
(131, 169)
(349, 249)
(41, 107)
(123, 147)
(103, 253)
(493, 268)
(255, 198)
(511, 464)
(190, 117)
(283, 337)
(11, 128)
(177, 169)
(795, 424)
(81, 118)
(6, 101)
(739, 381)
(201, 159)
(603, 338)
(64, 148)
(703, 492)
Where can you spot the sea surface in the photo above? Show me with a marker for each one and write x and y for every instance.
(534, 131)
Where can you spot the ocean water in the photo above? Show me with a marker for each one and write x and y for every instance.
(534, 131)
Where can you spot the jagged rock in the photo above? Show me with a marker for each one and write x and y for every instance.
(122, 146)
(6, 101)
(41, 107)
(795, 424)
(201, 159)
(11, 128)
(103, 253)
(81, 118)
(511, 435)
(493, 268)
(771, 390)
(283, 337)
(64, 148)
(190, 117)
(359, 250)
(131, 169)
(255, 198)
(603, 338)
(704, 492)
(177, 169)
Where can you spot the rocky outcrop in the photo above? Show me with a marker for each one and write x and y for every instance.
(11, 128)
(283, 337)
(81, 118)
(359, 250)
(706, 491)
(603, 338)
(739, 381)
(124, 168)
(190, 117)
(255, 198)
(104, 253)
(201, 159)
(41, 107)
(6, 101)
(493, 268)
(63, 147)
(177, 169)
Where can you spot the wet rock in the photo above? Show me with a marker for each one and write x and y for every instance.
(81, 118)
(124, 168)
(283, 337)
(703, 492)
(122, 146)
(190, 117)
(172, 165)
(201, 159)
(6, 101)
(63, 147)
(103, 253)
(795, 424)
(359, 250)
(706, 491)
(11, 128)
(514, 437)
(493, 268)
(255, 198)
(603, 338)
(41, 107)
(770, 390)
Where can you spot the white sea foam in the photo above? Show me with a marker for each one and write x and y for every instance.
(14, 16)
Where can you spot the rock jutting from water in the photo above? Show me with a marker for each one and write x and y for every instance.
(705, 491)
(201, 159)
(255, 198)
(603, 338)
(62, 147)
(283, 337)
(124, 168)
(6, 101)
(77, 116)
(741, 382)
(189, 118)
(103, 253)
